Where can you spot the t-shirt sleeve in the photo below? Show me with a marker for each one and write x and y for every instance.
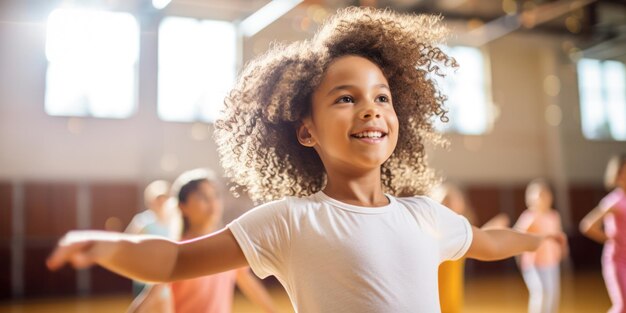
(263, 235)
(454, 232)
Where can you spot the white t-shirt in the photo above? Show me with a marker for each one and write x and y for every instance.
(335, 257)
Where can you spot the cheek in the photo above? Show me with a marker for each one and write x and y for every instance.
(394, 126)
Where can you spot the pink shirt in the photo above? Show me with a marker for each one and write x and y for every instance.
(615, 224)
(207, 294)
(542, 223)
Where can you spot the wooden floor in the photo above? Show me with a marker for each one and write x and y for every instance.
(584, 292)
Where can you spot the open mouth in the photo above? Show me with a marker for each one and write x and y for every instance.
(369, 135)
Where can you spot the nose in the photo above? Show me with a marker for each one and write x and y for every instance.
(370, 112)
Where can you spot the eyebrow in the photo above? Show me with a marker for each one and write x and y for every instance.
(341, 87)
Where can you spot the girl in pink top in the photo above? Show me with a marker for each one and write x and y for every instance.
(541, 267)
(611, 213)
(201, 205)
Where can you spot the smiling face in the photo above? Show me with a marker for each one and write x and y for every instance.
(353, 125)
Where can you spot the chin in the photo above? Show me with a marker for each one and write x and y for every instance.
(371, 163)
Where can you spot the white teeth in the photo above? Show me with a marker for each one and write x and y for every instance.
(369, 134)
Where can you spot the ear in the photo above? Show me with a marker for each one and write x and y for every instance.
(304, 136)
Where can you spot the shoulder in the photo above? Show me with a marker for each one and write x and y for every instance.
(421, 203)
(289, 204)
(140, 221)
(615, 195)
(424, 207)
(283, 209)
(276, 207)
(553, 213)
(526, 214)
(611, 199)
(145, 216)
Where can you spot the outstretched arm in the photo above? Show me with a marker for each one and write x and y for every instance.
(497, 244)
(591, 224)
(149, 258)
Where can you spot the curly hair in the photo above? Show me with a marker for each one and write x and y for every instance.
(256, 135)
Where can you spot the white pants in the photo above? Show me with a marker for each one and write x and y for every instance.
(544, 288)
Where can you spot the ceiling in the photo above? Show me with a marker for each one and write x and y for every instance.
(589, 23)
(596, 26)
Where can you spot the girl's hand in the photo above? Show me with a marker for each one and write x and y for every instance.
(133, 256)
(79, 248)
(560, 238)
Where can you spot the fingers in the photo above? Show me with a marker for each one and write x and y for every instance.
(560, 238)
(76, 253)
(77, 248)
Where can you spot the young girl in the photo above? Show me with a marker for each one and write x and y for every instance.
(336, 123)
(611, 211)
(541, 268)
(201, 205)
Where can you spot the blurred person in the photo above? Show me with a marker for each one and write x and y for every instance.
(161, 217)
(199, 198)
(606, 224)
(541, 268)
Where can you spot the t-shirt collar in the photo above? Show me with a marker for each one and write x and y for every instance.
(322, 197)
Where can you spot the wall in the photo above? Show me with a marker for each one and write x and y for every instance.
(36, 146)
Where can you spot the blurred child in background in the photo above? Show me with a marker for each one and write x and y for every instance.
(611, 211)
(160, 218)
(201, 207)
(541, 269)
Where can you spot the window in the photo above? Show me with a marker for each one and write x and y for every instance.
(467, 90)
(92, 63)
(197, 64)
(602, 88)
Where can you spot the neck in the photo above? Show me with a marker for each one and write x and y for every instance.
(363, 190)
(540, 209)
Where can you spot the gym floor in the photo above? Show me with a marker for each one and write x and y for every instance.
(583, 292)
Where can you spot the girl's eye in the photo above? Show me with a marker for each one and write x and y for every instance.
(345, 99)
(382, 98)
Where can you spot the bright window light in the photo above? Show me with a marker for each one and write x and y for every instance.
(467, 90)
(602, 88)
(92, 63)
(197, 64)
(160, 4)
